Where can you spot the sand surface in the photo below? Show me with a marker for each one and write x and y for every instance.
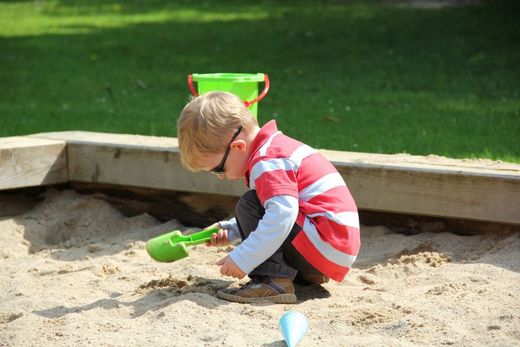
(74, 272)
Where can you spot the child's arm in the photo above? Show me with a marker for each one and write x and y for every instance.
(274, 227)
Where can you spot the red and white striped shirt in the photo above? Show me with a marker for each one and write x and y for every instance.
(280, 165)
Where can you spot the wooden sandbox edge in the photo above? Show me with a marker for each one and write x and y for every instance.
(416, 185)
(27, 162)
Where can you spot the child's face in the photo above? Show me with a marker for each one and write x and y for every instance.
(231, 163)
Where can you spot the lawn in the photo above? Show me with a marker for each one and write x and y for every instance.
(367, 76)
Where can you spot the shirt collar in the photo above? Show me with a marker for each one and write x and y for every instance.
(263, 135)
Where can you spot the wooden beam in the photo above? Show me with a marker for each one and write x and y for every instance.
(26, 162)
(133, 160)
(431, 186)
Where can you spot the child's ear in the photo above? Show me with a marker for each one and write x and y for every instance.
(239, 144)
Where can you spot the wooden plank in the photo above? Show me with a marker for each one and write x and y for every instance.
(435, 194)
(431, 186)
(133, 160)
(26, 162)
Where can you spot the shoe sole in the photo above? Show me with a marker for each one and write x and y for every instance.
(278, 299)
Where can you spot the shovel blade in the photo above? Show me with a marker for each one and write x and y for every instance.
(161, 248)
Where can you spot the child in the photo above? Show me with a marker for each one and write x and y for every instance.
(298, 221)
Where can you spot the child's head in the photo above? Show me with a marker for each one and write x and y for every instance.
(207, 123)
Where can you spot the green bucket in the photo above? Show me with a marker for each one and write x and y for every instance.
(241, 84)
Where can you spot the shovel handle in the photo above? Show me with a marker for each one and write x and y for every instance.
(201, 236)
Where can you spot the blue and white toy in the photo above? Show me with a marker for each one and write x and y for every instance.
(293, 326)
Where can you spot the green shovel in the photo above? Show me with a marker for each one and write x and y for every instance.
(173, 246)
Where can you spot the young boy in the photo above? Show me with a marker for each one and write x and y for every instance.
(297, 221)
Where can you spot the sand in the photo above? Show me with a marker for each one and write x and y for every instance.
(74, 272)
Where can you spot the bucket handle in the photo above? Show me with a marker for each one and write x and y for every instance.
(247, 103)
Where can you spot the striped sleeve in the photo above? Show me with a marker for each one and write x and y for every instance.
(272, 177)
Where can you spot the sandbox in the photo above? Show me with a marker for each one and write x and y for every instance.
(74, 269)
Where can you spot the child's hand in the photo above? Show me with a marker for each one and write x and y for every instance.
(229, 268)
(220, 238)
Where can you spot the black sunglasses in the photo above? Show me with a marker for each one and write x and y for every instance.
(219, 170)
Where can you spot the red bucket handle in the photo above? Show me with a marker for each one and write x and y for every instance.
(247, 103)
(190, 84)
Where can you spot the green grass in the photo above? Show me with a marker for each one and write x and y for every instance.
(350, 75)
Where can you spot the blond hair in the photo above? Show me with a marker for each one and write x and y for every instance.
(206, 124)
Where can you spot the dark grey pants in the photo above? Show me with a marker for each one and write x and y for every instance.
(286, 261)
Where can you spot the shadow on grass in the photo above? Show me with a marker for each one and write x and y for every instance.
(368, 76)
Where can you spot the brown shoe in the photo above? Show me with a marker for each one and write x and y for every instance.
(303, 278)
(261, 288)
